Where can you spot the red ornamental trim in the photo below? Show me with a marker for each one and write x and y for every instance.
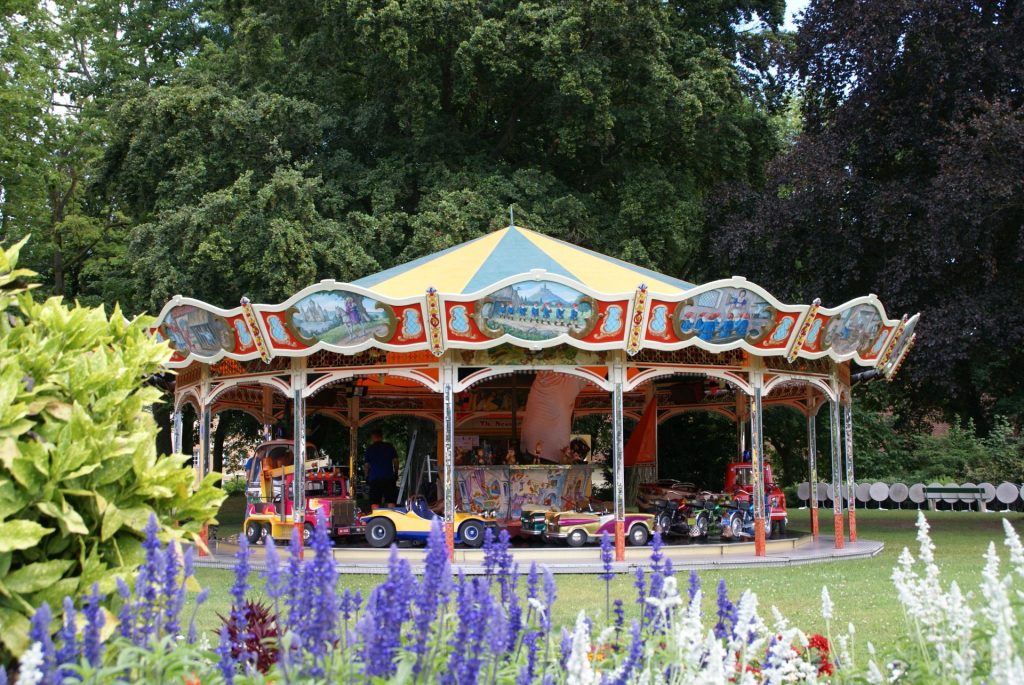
(636, 327)
(798, 343)
(884, 358)
(903, 355)
(434, 322)
(254, 330)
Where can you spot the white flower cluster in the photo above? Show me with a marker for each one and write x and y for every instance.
(685, 650)
(946, 631)
(30, 668)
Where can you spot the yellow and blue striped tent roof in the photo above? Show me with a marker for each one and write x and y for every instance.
(477, 264)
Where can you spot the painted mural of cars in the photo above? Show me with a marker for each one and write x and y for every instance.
(577, 528)
(413, 521)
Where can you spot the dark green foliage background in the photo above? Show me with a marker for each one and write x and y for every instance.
(221, 148)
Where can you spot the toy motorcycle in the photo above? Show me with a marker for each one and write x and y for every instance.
(685, 519)
(738, 522)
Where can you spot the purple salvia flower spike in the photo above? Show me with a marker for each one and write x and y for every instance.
(629, 664)
(39, 631)
(293, 600)
(432, 592)
(201, 598)
(68, 652)
(92, 644)
(386, 611)
(173, 591)
(239, 609)
(607, 557)
(550, 594)
(726, 612)
(565, 648)
(641, 586)
(272, 570)
(322, 609)
(490, 553)
(126, 616)
(532, 581)
(148, 585)
(226, 663)
(694, 584)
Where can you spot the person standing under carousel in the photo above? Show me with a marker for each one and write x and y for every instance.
(381, 461)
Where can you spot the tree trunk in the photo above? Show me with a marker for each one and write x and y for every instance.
(188, 428)
(218, 445)
(58, 273)
(162, 414)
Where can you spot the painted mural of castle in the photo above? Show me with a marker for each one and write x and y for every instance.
(338, 317)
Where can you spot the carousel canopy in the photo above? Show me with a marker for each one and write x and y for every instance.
(477, 265)
(522, 288)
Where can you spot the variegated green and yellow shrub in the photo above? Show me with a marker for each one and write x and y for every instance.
(79, 470)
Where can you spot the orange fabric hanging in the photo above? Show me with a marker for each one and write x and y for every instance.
(642, 445)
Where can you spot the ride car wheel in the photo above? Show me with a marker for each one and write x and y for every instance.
(307, 533)
(664, 524)
(736, 525)
(576, 538)
(380, 532)
(253, 532)
(638, 535)
(701, 525)
(268, 539)
(472, 533)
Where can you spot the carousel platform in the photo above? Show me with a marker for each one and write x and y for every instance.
(792, 551)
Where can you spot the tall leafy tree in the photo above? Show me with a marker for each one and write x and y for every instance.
(64, 62)
(331, 139)
(907, 182)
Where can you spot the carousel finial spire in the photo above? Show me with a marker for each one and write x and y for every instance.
(511, 217)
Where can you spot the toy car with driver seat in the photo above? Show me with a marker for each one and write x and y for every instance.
(385, 525)
(587, 524)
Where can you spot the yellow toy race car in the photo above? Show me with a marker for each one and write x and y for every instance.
(412, 522)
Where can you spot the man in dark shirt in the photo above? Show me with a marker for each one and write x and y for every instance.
(381, 469)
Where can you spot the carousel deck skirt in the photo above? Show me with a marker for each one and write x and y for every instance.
(792, 551)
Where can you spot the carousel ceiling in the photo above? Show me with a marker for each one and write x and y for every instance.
(532, 291)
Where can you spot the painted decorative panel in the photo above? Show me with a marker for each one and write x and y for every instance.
(782, 333)
(724, 315)
(900, 344)
(508, 488)
(611, 323)
(191, 329)
(280, 332)
(409, 327)
(852, 330)
(538, 310)
(342, 319)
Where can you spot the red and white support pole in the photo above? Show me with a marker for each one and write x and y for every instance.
(757, 467)
(618, 465)
(837, 471)
(448, 401)
(812, 467)
(848, 435)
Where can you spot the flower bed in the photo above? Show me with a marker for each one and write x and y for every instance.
(448, 628)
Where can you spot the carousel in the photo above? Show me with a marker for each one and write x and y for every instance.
(503, 341)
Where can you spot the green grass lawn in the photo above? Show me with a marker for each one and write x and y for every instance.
(231, 516)
(861, 590)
